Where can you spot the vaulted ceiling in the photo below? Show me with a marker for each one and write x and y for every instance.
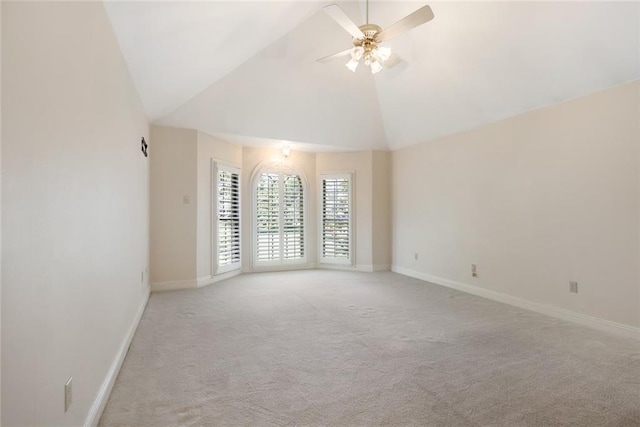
(246, 71)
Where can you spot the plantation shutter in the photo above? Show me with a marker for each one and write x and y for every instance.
(279, 219)
(293, 220)
(228, 224)
(336, 219)
(268, 217)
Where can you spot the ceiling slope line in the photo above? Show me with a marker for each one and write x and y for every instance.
(241, 64)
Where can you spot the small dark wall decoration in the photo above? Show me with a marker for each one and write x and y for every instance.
(144, 147)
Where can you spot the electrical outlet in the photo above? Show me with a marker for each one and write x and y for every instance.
(474, 270)
(573, 287)
(186, 200)
(415, 256)
(68, 393)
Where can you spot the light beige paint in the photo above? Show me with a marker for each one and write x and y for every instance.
(210, 149)
(301, 162)
(181, 241)
(0, 212)
(381, 210)
(173, 154)
(361, 164)
(372, 217)
(535, 201)
(75, 199)
(181, 238)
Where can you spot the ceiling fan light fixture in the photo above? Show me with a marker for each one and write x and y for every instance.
(357, 52)
(367, 37)
(375, 66)
(352, 64)
(368, 57)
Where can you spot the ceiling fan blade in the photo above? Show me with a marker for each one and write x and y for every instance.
(392, 61)
(419, 17)
(334, 56)
(334, 11)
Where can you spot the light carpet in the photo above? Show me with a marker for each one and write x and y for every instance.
(360, 349)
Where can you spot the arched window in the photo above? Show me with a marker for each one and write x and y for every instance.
(279, 217)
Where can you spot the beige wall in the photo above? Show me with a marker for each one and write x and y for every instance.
(372, 191)
(75, 197)
(181, 232)
(535, 201)
(0, 212)
(372, 175)
(181, 235)
(173, 156)
(301, 162)
(361, 164)
(210, 149)
(381, 210)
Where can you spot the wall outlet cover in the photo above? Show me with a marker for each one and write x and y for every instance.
(573, 287)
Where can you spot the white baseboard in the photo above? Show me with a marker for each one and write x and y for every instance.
(368, 268)
(276, 268)
(209, 280)
(204, 281)
(95, 412)
(549, 310)
(341, 267)
(174, 285)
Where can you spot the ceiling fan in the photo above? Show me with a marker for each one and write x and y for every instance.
(368, 37)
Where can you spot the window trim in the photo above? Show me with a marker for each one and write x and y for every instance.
(280, 168)
(350, 175)
(216, 167)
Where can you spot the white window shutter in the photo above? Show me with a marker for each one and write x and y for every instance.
(335, 215)
(228, 219)
(268, 217)
(293, 218)
(279, 219)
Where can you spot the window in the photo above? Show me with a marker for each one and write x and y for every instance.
(279, 218)
(335, 214)
(227, 191)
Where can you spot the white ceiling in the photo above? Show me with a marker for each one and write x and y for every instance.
(247, 70)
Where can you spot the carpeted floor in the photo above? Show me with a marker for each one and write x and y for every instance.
(349, 349)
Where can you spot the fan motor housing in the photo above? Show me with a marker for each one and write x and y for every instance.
(370, 31)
